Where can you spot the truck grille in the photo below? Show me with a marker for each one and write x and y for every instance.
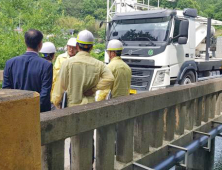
(137, 73)
(135, 83)
(141, 78)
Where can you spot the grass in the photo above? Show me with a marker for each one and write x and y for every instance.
(0, 84)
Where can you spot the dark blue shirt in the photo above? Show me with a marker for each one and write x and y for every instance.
(30, 72)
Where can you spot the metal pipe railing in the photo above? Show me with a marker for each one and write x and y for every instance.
(179, 156)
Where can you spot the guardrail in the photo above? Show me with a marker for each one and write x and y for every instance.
(136, 123)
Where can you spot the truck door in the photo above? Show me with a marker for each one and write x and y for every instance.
(178, 52)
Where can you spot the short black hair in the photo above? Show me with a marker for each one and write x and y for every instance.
(83, 47)
(118, 53)
(33, 38)
(49, 56)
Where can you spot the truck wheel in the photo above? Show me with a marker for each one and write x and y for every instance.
(188, 78)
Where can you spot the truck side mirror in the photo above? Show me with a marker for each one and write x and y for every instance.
(182, 40)
(101, 24)
(184, 26)
(115, 34)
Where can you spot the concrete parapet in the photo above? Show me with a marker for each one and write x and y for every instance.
(146, 122)
(80, 119)
(20, 143)
(1, 75)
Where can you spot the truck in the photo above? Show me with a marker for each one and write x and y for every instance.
(163, 47)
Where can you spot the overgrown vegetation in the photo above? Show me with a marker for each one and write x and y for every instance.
(52, 17)
(56, 18)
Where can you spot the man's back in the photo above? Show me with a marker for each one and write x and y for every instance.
(80, 74)
(122, 74)
(59, 60)
(30, 72)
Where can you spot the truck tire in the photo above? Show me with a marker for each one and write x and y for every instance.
(188, 78)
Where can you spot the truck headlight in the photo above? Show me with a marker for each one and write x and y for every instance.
(159, 79)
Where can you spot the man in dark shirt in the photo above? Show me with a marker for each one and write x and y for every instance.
(29, 71)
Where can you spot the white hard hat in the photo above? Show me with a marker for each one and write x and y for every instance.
(72, 42)
(85, 37)
(115, 45)
(48, 48)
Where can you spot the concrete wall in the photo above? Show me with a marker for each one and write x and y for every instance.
(20, 144)
(146, 123)
(80, 119)
(1, 75)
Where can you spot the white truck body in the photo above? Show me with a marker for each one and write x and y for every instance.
(156, 57)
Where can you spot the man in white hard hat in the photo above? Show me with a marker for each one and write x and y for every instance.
(121, 71)
(82, 75)
(121, 86)
(71, 51)
(48, 50)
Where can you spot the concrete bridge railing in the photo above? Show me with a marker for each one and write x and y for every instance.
(1, 75)
(20, 138)
(134, 125)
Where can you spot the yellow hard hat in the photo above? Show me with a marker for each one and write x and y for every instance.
(85, 37)
(115, 45)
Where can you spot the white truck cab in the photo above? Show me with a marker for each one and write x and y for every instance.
(163, 47)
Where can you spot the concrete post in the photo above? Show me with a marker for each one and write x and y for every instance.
(53, 156)
(124, 151)
(141, 134)
(105, 147)
(169, 123)
(213, 105)
(156, 128)
(220, 96)
(218, 103)
(181, 111)
(20, 140)
(207, 108)
(190, 115)
(81, 151)
(200, 111)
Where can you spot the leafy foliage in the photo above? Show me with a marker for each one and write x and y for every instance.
(56, 17)
(83, 8)
(24, 14)
(211, 8)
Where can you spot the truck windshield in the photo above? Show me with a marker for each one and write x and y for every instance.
(154, 29)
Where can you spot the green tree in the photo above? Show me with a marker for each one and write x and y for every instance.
(181, 4)
(27, 14)
(69, 22)
(83, 8)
